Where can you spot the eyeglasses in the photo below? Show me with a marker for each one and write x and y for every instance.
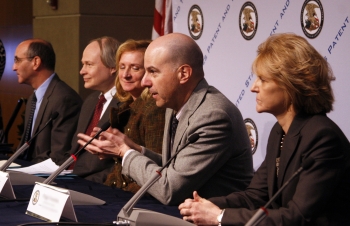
(20, 59)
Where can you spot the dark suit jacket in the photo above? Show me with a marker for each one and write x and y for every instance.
(56, 138)
(319, 196)
(218, 163)
(87, 165)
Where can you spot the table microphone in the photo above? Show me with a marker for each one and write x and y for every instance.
(73, 157)
(262, 212)
(127, 209)
(26, 144)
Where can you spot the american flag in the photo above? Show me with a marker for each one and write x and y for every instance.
(162, 22)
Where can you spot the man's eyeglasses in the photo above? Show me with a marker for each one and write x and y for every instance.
(20, 59)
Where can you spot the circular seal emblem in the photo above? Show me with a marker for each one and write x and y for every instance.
(248, 20)
(252, 133)
(2, 58)
(36, 197)
(195, 22)
(311, 18)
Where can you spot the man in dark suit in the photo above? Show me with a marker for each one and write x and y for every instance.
(99, 73)
(34, 64)
(221, 157)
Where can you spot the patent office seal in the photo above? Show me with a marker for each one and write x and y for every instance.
(36, 197)
(195, 22)
(248, 20)
(2, 58)
(312, 18)
(252, 131)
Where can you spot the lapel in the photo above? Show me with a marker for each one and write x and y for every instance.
(45, 101)
(106, 117)
(193, 103)
(166, 137)
(290, 145)
(274, 145)
(88, 112)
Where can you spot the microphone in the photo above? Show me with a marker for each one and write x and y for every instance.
(124, 214)
(262, 212)
(26, 144)
(73, 157)
(4, 135)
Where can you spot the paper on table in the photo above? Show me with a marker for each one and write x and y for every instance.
(2, 162)
(44, 167)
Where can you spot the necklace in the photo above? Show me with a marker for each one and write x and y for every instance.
(278, 158)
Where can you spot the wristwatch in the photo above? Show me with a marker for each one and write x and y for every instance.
(219, 217)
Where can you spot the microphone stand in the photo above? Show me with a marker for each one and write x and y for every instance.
(4, 135)
(262, 212)
(128, 208)
(26, 145)
(73, 157)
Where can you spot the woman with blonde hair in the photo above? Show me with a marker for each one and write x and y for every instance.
(137, 116)
(293, 84)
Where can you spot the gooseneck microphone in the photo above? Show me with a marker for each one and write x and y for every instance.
(127, 209)
(26, 144)
(262, 212)
(73, 157)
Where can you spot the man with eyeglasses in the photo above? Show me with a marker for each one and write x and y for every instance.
(34, 64)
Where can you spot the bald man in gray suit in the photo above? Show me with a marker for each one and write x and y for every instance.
(218, 163)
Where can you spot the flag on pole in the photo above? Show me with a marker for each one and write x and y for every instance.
(162, 21)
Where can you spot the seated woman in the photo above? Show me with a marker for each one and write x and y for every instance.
(293, 84)
(137, 115)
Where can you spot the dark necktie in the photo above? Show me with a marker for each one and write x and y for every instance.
(30, 119)
(97, 115)
(94, 121)
(27, 134)
(174, 123)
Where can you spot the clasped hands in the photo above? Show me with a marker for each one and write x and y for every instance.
(111, 143)
(199, 211)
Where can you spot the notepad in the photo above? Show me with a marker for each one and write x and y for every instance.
(44, 167)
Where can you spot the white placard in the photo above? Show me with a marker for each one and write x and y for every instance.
(5, 186)
(50, 203)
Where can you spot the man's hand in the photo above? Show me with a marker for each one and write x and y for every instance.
(199, 211)
(111, 142)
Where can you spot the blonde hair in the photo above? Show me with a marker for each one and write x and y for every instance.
(299, 69)
(127, 46)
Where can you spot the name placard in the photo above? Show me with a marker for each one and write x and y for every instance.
(6, 189)
(50, 203)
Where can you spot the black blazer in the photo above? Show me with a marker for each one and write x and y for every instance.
(87, 165)
(56, 138)
(319, 196)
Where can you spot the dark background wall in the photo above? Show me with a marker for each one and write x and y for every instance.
(69, 28)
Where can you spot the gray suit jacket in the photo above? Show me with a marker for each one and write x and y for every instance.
(56, 138)
(218, 163)
(90, 166)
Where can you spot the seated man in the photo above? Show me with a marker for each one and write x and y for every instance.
(99, 74)
(34, 64)
(218, 163)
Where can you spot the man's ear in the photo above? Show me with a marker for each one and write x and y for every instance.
(36, 62)
(113, 70)
(184, 72)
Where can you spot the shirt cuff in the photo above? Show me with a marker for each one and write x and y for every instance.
(220, 216)
(143, 149)
(126, 154)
